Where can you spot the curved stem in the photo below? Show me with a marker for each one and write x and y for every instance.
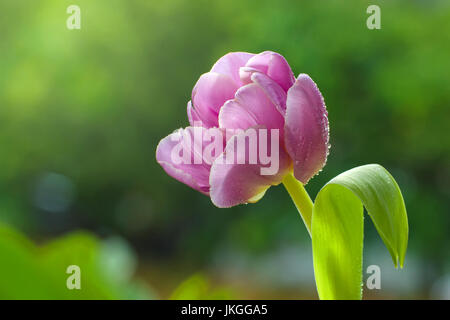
(301, 199)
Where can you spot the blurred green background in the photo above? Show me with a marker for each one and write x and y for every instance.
(82, 111)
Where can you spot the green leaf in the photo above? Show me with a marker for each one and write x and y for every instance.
(337, 227)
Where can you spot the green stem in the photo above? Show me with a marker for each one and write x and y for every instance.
(301, 199)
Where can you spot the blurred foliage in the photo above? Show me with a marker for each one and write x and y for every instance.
(41, 272)
(198, 287)
(81, 113)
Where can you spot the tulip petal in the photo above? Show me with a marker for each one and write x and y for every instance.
(250, 107)
(306, 130)
(272, 89)
(190, 168)
(273, 65)
(192, 114)
(230, 63)
(209, 94)
(237, 183)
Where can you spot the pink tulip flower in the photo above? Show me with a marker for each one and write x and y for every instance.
(245, 91)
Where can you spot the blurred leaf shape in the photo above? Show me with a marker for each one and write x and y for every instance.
(199, 287)
(337, 227)
(39, 272)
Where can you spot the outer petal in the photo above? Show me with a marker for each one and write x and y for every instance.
(194, 172)
(209, 94)
(233, 184)
(230, 63)
(251, 107)
(306, 130)
(192, 114)
(273, 65)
